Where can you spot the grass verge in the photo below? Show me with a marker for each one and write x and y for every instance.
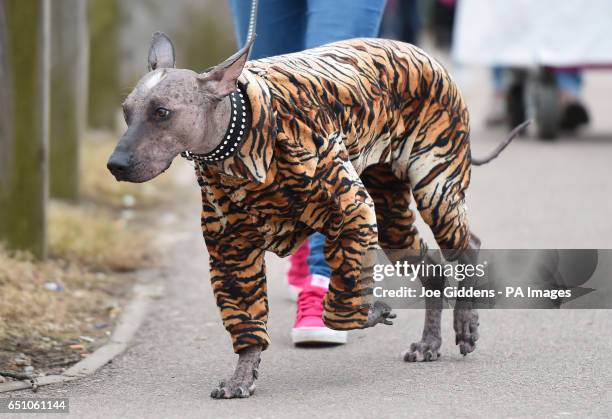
(54, 313)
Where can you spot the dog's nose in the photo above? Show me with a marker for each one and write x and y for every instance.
(118, 164)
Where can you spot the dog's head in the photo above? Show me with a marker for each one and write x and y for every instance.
(173, 110)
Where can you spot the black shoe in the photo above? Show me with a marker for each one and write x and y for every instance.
(574, 115)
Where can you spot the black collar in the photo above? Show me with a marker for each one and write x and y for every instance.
(237, 130)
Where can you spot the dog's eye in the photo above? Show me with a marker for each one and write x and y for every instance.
(162, 113)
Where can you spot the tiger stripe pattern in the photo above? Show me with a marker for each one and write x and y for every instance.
(342, 139)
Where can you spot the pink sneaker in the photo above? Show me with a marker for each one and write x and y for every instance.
(298, 271)
(309, 326)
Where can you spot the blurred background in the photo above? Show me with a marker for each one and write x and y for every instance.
(71, 235)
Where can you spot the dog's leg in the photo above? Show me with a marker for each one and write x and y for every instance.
(398, 235)
(465, 318)
(439, 187)
(428, 348)
(347, 305)
(352, 232)
(239, 284)
(242, 382)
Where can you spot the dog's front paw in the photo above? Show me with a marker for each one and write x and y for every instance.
(232, 389)
(426, 350)
(466, 324)
(242, 383)
(379, 313)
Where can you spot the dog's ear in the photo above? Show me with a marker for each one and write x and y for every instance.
(221, 79)
(161, 52)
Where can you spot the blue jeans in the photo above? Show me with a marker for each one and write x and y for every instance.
(569, 81)
(498, 78)
(285, 26)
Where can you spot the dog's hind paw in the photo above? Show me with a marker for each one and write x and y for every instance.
(466, 324)
(232, 390)
(423, 351)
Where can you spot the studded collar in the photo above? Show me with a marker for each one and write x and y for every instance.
(252, 161)
(237, 130)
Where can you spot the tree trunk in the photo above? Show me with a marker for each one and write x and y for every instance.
(104, 92)
(69, 61)
(24, 83)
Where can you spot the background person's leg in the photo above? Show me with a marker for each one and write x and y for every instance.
(570, 82)
(281, 25)
(401, 21)
(335, 20)
(497, 113)
(574, 113)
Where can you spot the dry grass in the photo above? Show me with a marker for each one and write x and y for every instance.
(92, 238)
(46, 324)
(99, 186)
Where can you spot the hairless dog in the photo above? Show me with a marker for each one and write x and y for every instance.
(339, 139)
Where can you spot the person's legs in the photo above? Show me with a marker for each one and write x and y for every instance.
(497, 113)
(569, 82)
(281, 28)
(574, 113)
(298, 271)
(330, 21)
(317, 265)
(309, 326)
(281, 25)
(498, 79)
(285, 26)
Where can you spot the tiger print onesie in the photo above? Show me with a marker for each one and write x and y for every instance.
(342, 137)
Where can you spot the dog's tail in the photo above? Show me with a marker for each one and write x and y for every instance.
(513, 134)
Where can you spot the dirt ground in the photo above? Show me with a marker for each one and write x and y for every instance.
(55, 313)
